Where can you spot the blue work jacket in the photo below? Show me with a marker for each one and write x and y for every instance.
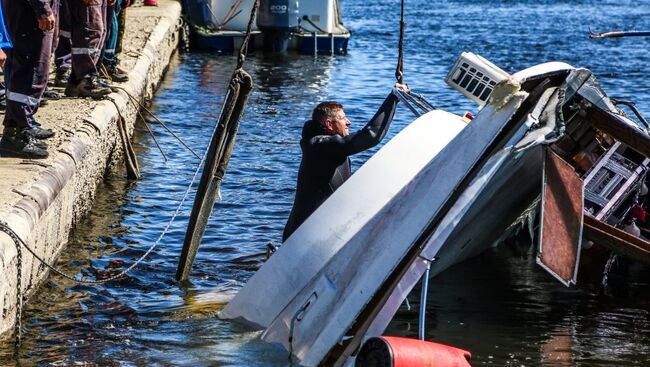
(5, 42)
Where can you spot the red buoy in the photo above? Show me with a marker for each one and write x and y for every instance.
(391, 351)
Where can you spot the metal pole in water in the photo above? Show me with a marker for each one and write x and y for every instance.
(315, 45)
(332, 43)
(423, 301)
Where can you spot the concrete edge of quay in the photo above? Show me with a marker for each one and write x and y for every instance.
(63, 188)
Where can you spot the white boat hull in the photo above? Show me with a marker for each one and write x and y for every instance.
(333, 277)
(347, 211)
(318, 317)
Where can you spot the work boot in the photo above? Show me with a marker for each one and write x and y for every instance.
(61, 77)
(41, 144)
(87, 87)
(107, 83)
(48, 95)
(16, 142)
(51, 95)
(38, 132)
(116, 74)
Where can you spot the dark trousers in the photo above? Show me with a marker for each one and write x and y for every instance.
(88, 32)
(27, 66)
(109, 56)
(121, 26)
(63, 50)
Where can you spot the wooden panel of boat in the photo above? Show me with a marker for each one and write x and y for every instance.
(619, 130)
(617, 240)
(561, 219)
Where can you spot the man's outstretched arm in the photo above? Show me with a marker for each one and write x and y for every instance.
(366, 138)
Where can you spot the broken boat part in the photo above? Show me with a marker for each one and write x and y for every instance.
(309, 299)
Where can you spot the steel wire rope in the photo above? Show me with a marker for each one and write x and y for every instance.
(148, 111)
(413, 101)
(137, 104)
(244, 48)
(18, 242)
(399, 70)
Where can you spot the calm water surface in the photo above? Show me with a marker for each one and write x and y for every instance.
(500, 306)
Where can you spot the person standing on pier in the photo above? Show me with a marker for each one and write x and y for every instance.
(63, 49)
(109, 59)
(31, 30)
(88, 20)
(326, 146)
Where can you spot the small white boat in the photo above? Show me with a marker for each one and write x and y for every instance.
(447, 192)
(309, 26)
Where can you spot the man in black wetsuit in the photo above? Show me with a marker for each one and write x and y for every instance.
(326, 146)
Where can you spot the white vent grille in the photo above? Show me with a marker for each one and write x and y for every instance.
(475, 77)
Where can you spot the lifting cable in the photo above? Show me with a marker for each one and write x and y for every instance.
(399, 70)
(418, 105)
(417, 100)
(219, 151)
(413, 101)
(399, 75)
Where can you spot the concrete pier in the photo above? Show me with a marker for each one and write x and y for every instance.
(43, 200)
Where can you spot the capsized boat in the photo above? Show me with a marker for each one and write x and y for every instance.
(442, 191)
(307, 26)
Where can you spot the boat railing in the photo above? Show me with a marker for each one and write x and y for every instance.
(632, 106)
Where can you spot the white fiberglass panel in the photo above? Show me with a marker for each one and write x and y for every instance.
(347, 211)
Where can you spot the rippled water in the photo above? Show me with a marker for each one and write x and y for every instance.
(500, 306)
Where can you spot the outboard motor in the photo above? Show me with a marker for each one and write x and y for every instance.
(277, 19)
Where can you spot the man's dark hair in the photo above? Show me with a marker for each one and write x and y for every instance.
(325, 110)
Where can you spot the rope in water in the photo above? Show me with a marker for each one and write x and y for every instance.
(20, 243)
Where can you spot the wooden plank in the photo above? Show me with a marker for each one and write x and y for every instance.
(613, 126)
(617, 240)
(215, 163)
(562, 208)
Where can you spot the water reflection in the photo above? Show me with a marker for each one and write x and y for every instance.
(508, 312)
(500, 306)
